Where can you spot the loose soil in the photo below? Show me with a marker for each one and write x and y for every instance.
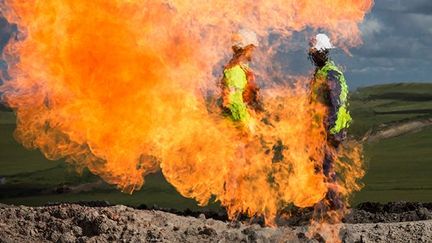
(99, 222)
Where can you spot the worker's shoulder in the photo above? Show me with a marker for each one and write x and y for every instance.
(231, 67)
(235, 69)
(332, 67)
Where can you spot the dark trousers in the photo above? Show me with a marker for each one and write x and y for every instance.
(333, 197)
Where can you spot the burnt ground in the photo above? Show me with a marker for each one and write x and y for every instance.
(100, 222)
(368, 212)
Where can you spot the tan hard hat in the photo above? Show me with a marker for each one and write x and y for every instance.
(244, 38)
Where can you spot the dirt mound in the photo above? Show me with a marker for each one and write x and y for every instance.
(399, 128)
(390, 212)
(368, 212)
(76, 223)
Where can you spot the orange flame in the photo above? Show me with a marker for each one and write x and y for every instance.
(118, 87)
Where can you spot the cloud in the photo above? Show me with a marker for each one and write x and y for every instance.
(397, 44)
(404, 6)
(370, 27)
(397, 37)
(420, 7)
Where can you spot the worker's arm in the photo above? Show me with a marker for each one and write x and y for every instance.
(251, 93)
(224, 93)
(335, 89)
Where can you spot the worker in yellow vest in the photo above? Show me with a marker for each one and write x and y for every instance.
(330, 89)
(239, 89)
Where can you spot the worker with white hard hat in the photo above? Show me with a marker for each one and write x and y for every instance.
(330, 89)
(329, 86)
(239, 90)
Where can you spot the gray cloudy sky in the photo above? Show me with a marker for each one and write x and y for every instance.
(397, 46)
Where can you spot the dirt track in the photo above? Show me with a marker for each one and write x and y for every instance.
(75, 223)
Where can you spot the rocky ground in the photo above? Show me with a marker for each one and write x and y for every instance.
(102, 223)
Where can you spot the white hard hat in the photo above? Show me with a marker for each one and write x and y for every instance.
(321, 42)
(244, 38)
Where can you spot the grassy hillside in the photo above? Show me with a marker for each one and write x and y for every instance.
(30, 179)
(383, 104)
(398, 168)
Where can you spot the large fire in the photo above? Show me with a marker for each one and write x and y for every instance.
(121, 87)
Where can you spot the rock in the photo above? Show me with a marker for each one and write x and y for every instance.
(54, 236)
(4, 205)
(424, 213)
(208, 231)
(235, 224)
(77, 230)
(250, 233)
(67, 238)
(319, 238)
(301, 236)
(191, 231)
(153, 236)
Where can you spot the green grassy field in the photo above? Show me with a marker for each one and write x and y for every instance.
(399, 168)
(29, 175)
(383, 104)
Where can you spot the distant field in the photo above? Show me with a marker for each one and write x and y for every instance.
(398, 168)
(28, 173)
(6, 118)
(15, 159)
(376, 105)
